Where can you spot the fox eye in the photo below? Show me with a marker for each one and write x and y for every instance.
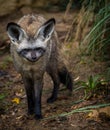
(24, 52)
(13, 40)
(26, 49)
(40, 50)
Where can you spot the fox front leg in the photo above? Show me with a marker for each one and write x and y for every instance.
(38, 93)
(30, 94)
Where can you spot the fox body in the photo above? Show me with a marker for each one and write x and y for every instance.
(35, 50)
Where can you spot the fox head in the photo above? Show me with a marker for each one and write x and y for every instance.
(31, 48)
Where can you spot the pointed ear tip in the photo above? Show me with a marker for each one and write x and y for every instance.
(7, 26)
(53, 19)
(11, 24)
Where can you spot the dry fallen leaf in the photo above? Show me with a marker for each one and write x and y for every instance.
(93, 114)
(16, 100)
(76, 79)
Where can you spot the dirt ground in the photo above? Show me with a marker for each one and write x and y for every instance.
(13, 105)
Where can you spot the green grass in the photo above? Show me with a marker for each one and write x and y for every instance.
(98, 39)
(2, 96)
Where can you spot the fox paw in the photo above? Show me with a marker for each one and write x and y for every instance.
(38, 117)
(51, 100)
(30, 112)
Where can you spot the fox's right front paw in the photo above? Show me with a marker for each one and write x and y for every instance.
(30, 111)
(38, 117)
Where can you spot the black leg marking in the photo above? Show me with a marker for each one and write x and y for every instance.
(55, 78)
(38, 93)
(66, 78)
(30, 94)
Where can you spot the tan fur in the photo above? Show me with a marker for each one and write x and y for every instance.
(31, 23)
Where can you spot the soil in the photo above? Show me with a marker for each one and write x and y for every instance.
(13, 105)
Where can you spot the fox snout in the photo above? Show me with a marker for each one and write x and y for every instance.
(34, 56)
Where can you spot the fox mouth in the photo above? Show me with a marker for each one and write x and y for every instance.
(31, 60)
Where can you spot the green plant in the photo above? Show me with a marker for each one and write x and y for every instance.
(91, 85)
(2, 96)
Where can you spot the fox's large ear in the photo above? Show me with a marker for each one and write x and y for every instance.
(15, 32)
(46, 30)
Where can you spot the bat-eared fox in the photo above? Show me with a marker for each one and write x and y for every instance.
(35, 50)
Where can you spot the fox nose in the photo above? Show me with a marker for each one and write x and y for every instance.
(33, 55)
(34, 58)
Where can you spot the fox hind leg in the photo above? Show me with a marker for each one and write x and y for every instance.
(59, 76)
(56, 82)
(65, 78)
